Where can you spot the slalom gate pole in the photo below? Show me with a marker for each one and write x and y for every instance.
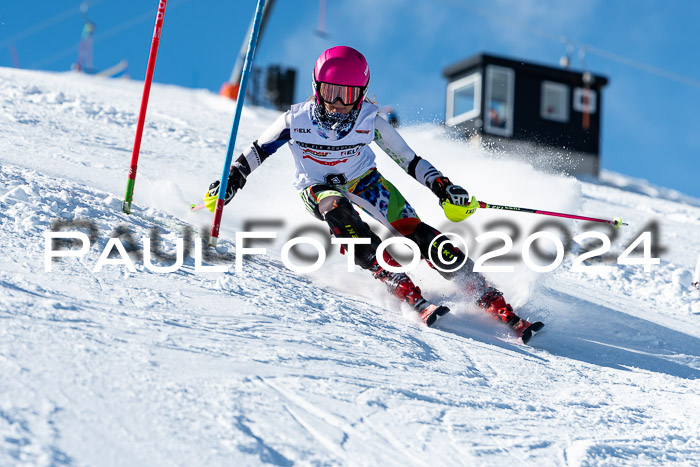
(617, 222)
(128, 197)
(216, 223)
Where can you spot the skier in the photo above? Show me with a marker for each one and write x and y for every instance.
(329, 137)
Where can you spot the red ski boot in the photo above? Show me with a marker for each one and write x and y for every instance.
(403, 288)
(493, 302)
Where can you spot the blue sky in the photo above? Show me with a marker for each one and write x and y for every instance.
(650, 117)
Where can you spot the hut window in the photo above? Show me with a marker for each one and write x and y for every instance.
(463, 99)
(554, 103)
(585, 100)
(499, 100)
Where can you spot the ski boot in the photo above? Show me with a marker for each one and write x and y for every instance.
(493, 302)
(403, 288)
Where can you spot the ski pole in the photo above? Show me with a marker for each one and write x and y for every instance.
(617, 222)
(128, 197)
(216, 223)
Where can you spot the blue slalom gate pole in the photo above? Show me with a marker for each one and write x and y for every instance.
(218, 211)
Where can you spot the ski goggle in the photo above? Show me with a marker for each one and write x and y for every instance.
(348, 95)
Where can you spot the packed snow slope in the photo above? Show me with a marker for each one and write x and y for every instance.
(268, 366)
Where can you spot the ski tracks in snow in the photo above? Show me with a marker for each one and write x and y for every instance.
(266, 366)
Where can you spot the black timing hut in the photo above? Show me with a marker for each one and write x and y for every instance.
(551, 116)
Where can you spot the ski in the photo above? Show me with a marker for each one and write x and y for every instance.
(430, 313)
(525, 330)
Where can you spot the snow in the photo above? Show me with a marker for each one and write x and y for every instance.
(268, 366)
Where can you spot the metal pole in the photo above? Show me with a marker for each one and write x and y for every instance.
(128, 197)
(216, 223)
(617, 222)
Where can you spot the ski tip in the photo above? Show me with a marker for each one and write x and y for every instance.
(442, 310)
(529, 332)
(434, 313)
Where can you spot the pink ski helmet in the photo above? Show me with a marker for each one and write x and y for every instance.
(346, 71)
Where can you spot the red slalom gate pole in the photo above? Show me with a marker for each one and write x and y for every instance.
(617, 222)
(128, 197)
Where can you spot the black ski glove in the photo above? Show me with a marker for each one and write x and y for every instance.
(236, 181)
(445, 190)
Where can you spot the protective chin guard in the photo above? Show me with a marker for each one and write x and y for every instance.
(457, 213)
(210, 201)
